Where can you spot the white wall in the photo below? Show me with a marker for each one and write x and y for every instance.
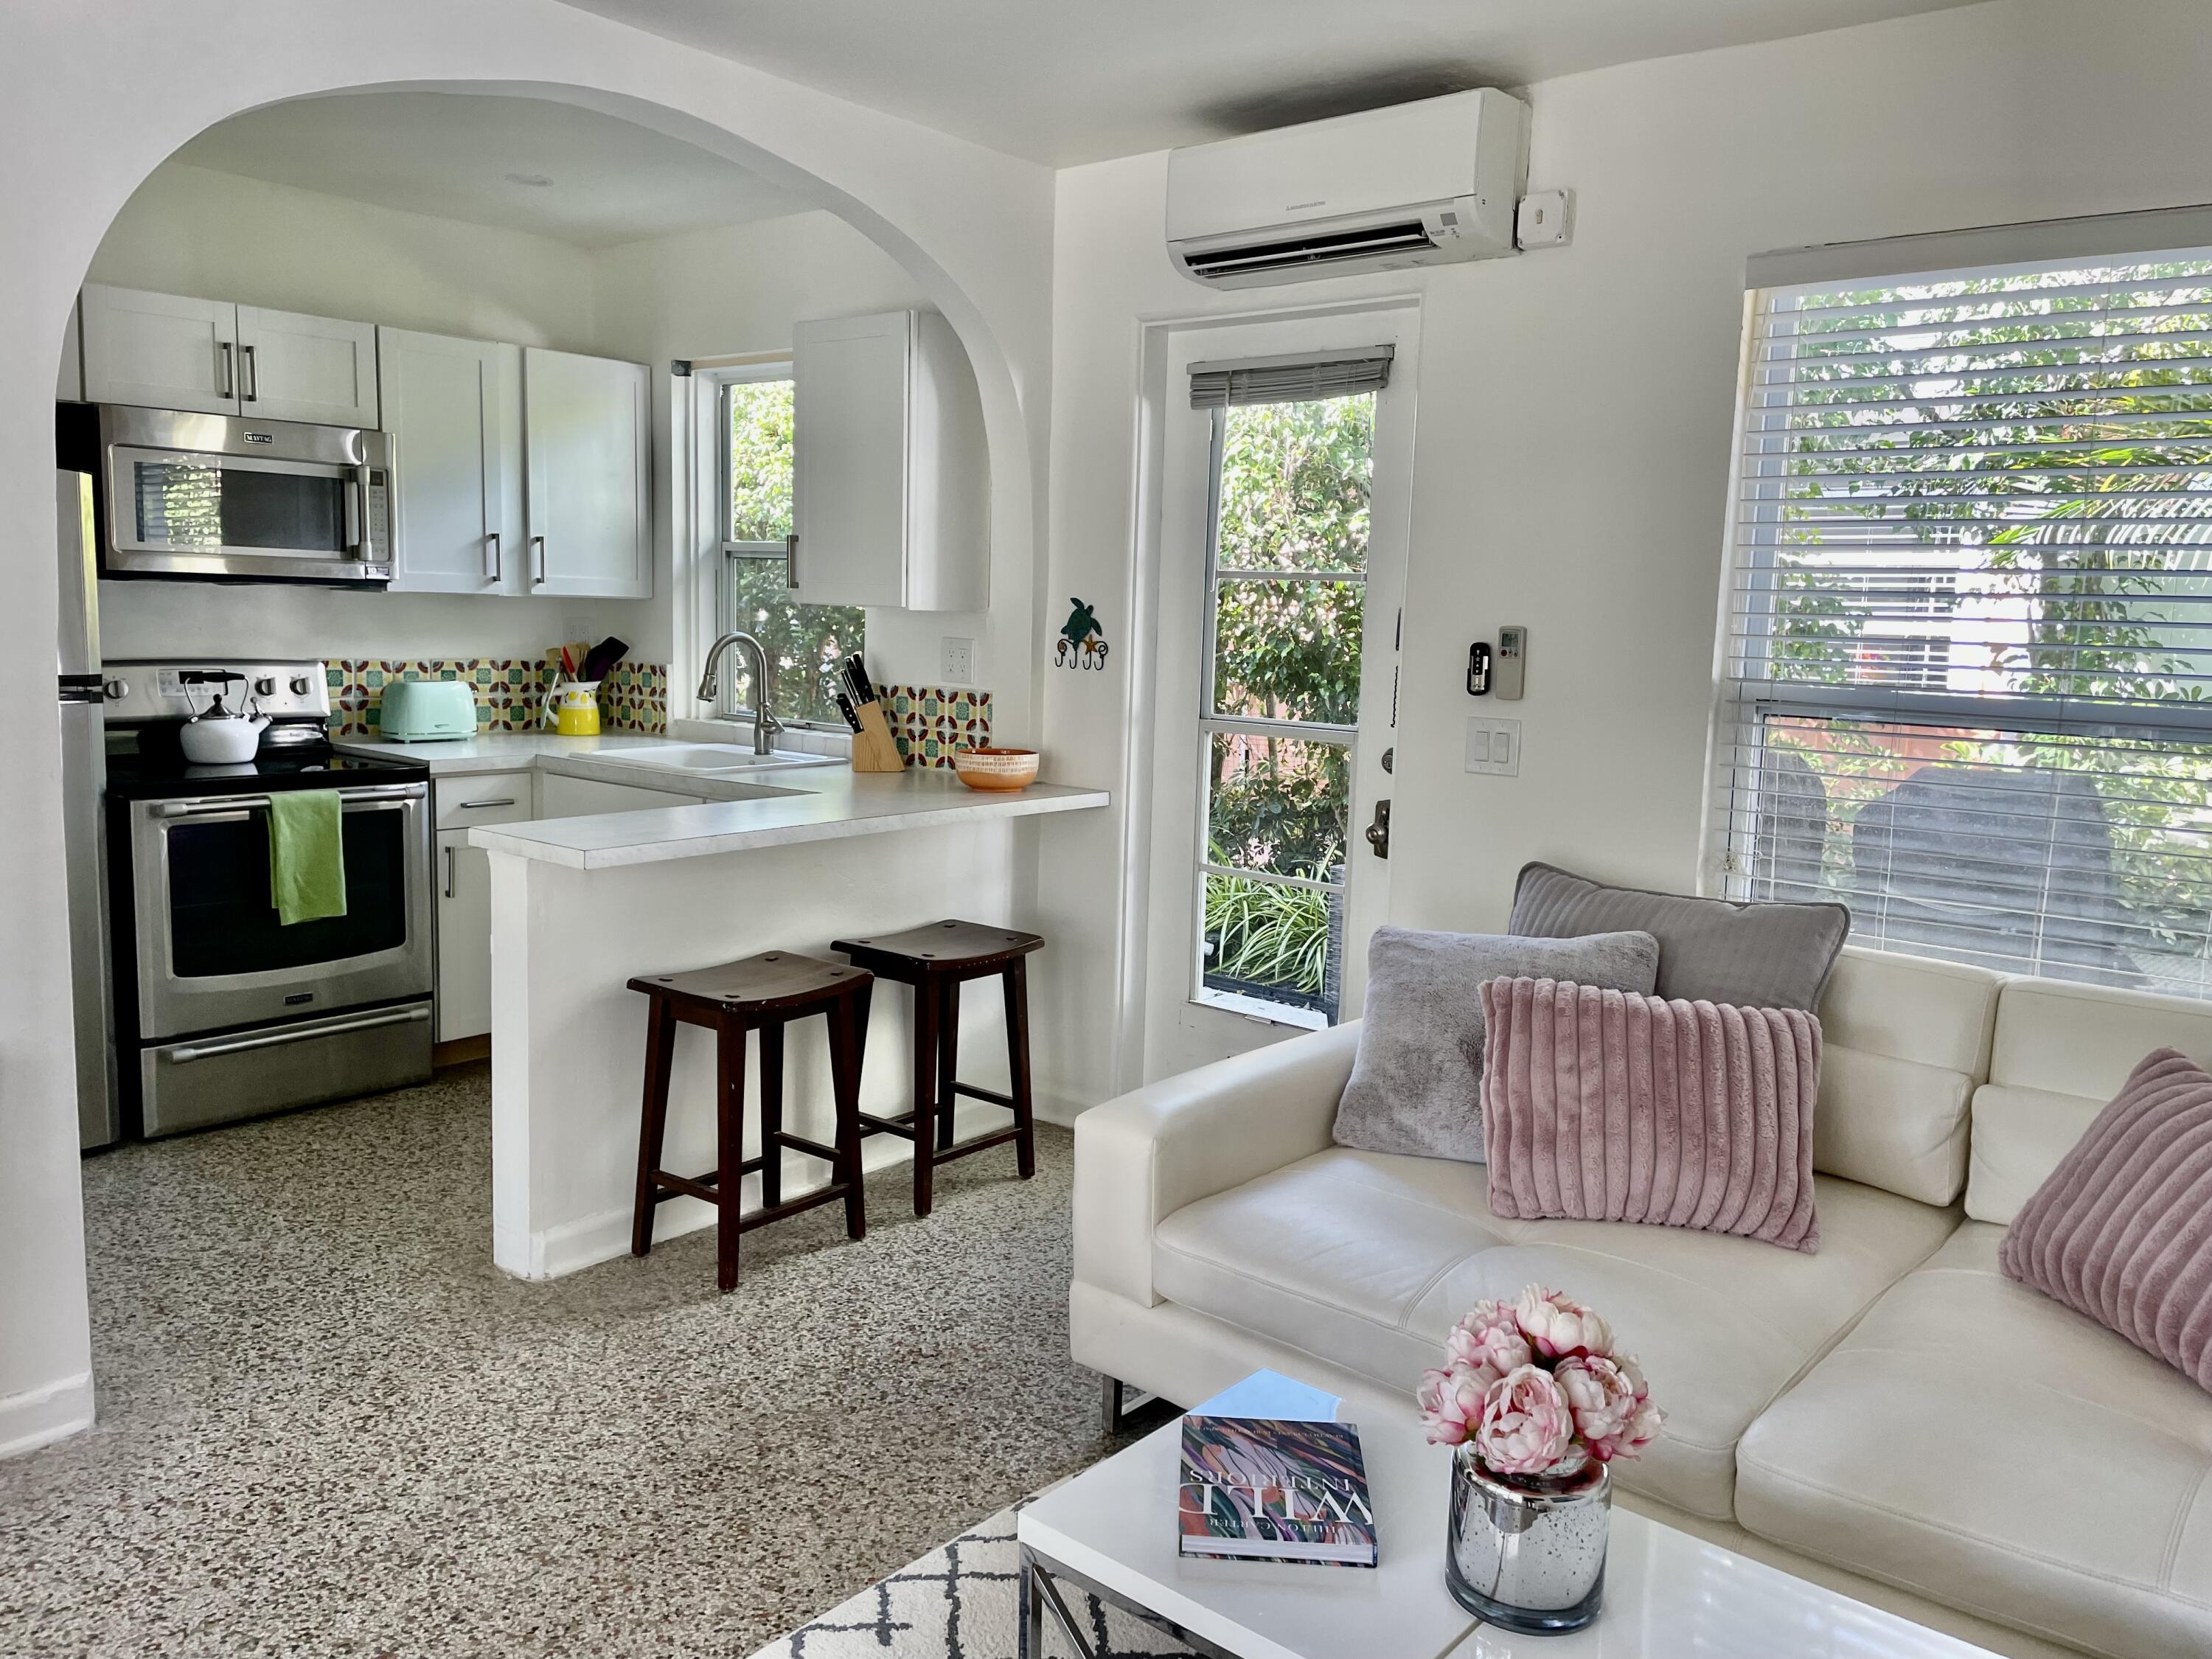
(974, 225)
(1576, 417)
(739, 290)
(189, 230)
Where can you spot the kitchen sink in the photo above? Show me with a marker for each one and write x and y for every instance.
(714, 759)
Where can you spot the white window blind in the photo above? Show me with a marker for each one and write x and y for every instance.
(1290, 380)
(1968, 623)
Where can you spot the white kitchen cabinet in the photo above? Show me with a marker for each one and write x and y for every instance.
(561, 797)
(454, 410)
(464, 938)
(172, 351)
(891, 486)
(161, 350)
(292, 367)
(587, 438)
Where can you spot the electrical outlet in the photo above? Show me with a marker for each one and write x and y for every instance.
(1493, 746)
(575, 627)
(957, 660)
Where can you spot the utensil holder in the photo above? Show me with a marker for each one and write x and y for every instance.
(874, 749)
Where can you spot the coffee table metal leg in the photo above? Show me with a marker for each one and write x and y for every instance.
(1040, 1591)
(1031, 1641)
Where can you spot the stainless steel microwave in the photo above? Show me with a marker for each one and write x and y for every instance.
(215, 495)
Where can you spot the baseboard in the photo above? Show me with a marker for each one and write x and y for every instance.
(42, 1416)
(1062, 1109)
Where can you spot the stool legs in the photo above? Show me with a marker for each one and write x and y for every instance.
(924, 1092)
(771, 1139)
(660, 1052)
(729, 1146)
(948, 1059)
(846, 1023)
(1016, 981)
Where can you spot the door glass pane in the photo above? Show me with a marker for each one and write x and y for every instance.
(1281, 805)
(222, 922)
(1277, 945)
(1288, 650)
(191, 504)
(1295, 479)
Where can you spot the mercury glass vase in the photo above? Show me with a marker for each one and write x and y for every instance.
(1528, 1555)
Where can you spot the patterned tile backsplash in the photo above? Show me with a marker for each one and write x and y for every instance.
(510, 691)
(929, 721)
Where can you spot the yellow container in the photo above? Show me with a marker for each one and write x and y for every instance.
(572, 709)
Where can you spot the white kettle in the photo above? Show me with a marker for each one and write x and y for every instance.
(219, 737)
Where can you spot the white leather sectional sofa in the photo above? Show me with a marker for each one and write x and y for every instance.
(1890, 1416)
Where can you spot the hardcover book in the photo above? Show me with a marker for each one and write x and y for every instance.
(1261, 1489)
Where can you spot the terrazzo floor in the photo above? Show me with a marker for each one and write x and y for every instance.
(328, 1425)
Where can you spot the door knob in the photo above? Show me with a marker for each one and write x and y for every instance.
(1378, 832)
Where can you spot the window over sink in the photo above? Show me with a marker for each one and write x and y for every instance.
(804, 642)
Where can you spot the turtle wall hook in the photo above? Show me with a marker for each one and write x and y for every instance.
(1082, 642)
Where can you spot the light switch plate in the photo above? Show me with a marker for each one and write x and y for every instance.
(957, 660)
(1493, 745)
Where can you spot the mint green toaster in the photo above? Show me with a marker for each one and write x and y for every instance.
(428, 711)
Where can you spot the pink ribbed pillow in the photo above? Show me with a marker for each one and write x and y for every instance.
(1608, 1106)
(2122, 1230)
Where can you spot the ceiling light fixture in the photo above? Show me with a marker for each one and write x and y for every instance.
(534, 180)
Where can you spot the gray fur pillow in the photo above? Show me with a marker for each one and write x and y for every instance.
(1417, 1081)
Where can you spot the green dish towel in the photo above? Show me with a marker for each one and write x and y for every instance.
(307, 855)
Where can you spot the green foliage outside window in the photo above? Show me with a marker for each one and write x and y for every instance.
(804, 642)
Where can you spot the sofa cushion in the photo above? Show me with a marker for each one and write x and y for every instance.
(1756, 956)
(1905, 1039)
(1366, 1259)
(2060, 1052)
(1982, 1445)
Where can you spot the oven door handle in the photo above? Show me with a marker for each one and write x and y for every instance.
(234, 807)
(186, 1055)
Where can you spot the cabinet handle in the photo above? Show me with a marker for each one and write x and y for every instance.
(229, 387)
(498, 546)
(449, 872)
(478, 805)
(252, 375)
(791, 563)
(537, 569)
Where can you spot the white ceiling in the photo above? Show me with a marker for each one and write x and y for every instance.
(1062, 83)
(464, 156)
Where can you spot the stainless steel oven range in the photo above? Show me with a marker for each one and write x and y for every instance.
(223, 1011)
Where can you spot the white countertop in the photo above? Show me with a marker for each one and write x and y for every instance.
(764, 806)
(827, 803)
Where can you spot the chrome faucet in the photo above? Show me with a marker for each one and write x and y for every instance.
(764, 723)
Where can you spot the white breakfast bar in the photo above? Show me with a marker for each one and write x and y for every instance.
(802, 854)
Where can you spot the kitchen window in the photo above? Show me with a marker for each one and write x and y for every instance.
(1968, 623)
(804, 642)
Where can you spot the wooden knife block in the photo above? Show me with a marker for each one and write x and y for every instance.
(874, 749)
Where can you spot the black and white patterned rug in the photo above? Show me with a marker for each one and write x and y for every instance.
(961, 1601)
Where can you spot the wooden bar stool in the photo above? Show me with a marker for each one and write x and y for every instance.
(761, 994)
(937, 959)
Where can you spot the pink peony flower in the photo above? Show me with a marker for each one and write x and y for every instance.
(1611, 1402)
(1488, 1342)
(1526, 1426)
(1451, 1403)
(1556, 1326)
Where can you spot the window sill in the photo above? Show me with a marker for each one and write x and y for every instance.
(1256, 1008)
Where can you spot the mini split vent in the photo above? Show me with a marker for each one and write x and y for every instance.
(1415, 184)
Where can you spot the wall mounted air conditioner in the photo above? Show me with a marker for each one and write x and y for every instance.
(1423, 184)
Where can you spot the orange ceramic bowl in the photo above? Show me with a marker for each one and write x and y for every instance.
(995, 768)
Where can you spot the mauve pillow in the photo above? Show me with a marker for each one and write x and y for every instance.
(1606, 1106)
(1755, 956)
(1417, 1080)
(2122, 1230)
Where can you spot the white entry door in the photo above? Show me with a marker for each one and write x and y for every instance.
(1283, 557)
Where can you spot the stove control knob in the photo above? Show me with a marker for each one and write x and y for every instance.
(264, 687)
(300, 684)
(115, 690)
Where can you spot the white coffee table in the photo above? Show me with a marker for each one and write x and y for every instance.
(1112, 1531)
